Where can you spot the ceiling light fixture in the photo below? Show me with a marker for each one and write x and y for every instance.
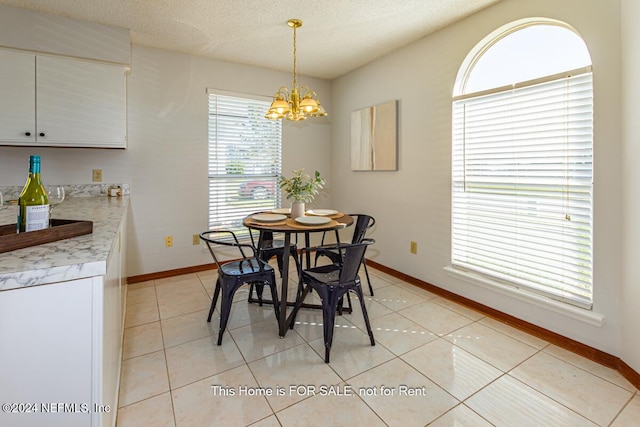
(292, 105)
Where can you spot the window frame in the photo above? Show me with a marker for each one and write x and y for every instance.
(465, 71)
(233, 145)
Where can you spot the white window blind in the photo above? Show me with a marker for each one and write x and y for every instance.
(244, 160)
(522, 186)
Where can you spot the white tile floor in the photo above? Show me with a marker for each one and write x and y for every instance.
(435, 363)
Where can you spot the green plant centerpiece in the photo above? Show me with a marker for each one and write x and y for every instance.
(302, 188)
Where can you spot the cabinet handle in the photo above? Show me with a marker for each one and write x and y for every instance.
(27, 133)
(41, 133)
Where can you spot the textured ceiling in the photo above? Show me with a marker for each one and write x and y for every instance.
(337, 36)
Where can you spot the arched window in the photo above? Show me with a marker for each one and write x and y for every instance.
(523, 160)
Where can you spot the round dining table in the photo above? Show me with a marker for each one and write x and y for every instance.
(289, 226)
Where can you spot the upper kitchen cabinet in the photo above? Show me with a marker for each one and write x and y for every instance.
(80, 104)
(18, 100)
(61, 102)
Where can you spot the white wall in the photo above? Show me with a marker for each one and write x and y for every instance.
(166, 159)
(168, 148)
(413, 203)
(631, 177)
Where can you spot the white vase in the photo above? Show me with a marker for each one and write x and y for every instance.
(297, 209)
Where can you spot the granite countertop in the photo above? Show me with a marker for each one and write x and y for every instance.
(68, 259)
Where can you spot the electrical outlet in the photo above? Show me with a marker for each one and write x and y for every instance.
(168, 241)
(97, 175)
(414, 247)
(196, 239)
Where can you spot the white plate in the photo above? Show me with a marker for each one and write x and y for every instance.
(322, 212)
(281, 211)
(268, 217)
(313, 220)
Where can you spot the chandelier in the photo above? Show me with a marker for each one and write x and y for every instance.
(299, 102)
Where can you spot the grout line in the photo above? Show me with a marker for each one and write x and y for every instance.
(552, 399)
(586, 371)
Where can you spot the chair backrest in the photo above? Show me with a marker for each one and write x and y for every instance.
(266, 236)
(353, 254)
(225, 238)
(363, 223)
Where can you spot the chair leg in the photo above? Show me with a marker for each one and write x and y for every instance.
(259, 291)
(329, 307)
(296, 261)
(225, 310)
(297, 305)
(349, 303)
(280, 263)
(366, 272)
(341, 304)
(259, 287)
(274, 298)
(328, 322)
(358, 291)
(216, 293)
(251, 285)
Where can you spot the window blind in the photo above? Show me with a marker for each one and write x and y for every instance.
(244, 160)
(522, 186)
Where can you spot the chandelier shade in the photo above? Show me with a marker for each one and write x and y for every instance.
(296, 103)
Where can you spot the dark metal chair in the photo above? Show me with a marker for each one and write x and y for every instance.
(233, 274)
(332, 282)
(268, 247)
(363, 223)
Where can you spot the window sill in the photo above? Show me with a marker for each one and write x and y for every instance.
(576, 313)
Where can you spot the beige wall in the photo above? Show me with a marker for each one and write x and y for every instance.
(414, 202)
(630, 351)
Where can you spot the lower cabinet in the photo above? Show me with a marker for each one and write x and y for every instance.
(60, 351)
(110, 346)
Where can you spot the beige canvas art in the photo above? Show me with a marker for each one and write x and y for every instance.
(374, 138)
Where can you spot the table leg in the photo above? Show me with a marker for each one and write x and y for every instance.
(307, 243)
(285, 284)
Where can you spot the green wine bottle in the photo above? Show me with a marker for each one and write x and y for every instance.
(34, 203)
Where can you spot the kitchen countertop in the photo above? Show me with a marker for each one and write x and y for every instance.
(68, 259)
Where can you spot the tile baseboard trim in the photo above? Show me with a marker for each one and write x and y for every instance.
(170, 273)
(569, 344)
(629, 373)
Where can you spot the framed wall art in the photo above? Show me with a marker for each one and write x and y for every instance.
(374, 138)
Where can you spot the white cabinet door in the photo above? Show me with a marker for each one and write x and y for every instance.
(46, 354)
(17, 98)
(80, 104)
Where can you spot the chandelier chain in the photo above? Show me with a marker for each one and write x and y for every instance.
(295, 83)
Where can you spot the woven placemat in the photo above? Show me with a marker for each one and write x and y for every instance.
(294, 224)
(334, 216)
(252, 221)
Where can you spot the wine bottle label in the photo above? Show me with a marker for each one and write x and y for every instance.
(37, 217)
